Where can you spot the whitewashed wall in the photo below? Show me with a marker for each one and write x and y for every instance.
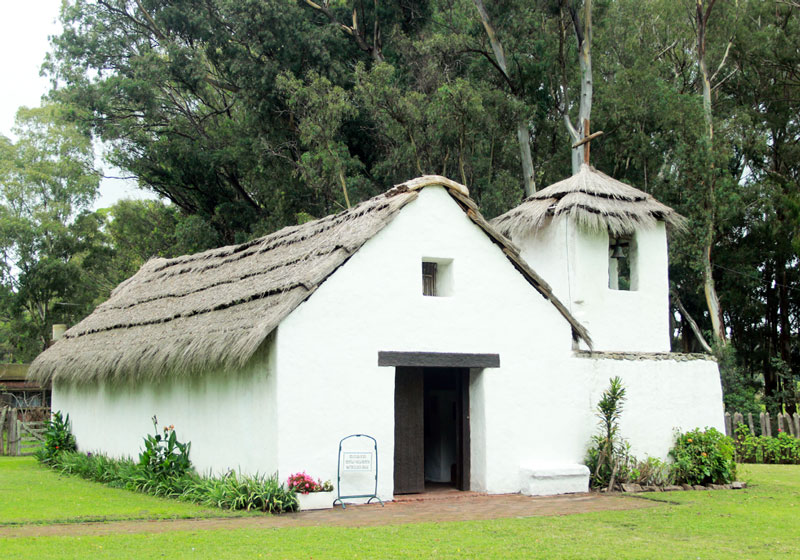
(537, 405)
(230, 418)
(575, 264)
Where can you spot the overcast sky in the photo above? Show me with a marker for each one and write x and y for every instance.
(24, 30)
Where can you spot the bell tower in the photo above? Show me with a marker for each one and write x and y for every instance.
(602, 247)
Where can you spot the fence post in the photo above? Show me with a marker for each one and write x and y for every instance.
(762, 424)
(750, 423)
(13, 434)
(796, 425)
(728, 431)
(3, 412)
(737, 419)
(780, 422)
(768, 424)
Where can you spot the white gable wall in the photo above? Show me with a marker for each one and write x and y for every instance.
(328, 347)
(230, 418)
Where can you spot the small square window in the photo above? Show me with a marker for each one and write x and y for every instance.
(437, 277)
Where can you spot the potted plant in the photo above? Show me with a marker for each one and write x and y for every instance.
(311, 494)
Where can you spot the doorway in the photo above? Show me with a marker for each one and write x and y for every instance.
(431, 429)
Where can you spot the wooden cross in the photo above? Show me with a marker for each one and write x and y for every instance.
(587, 139)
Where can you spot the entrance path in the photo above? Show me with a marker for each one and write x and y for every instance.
(464, 506)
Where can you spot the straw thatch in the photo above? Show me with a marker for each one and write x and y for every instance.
(216, 309)
(595, 201)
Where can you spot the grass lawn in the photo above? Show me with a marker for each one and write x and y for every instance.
(762, 521)
(33, 494)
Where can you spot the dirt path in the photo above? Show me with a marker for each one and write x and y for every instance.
(470, 507)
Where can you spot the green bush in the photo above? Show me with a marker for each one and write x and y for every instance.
(164, 470)
(703, 457)
(58, 438)
(650, 472)
(257, 492)
(749, 448)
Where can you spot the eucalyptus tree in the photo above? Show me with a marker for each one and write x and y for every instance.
(49, 240)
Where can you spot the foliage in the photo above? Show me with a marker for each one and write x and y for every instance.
(58, 438)
(231, 491)
(305, 484)
(252, 115)
(608, 458)
(164, 469)
(651, 472)
(164, 457)
(48, 239)
(256, 492)
(749, 448)
(703, 457)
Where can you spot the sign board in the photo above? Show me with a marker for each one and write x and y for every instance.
(362, 464)
(357, 461)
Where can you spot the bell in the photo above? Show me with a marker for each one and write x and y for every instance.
(616, 252)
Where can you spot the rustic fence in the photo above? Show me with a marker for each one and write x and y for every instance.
(787, 423)
(22, 429)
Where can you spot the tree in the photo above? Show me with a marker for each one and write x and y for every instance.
(48, 181)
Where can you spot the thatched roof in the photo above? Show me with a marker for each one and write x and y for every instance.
(215, 309)
(595, 201)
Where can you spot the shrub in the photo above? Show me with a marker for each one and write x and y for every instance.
(651, 472)
(164, 456)
(58, 438)
(703, 457)
(749, 448)
(164, 470)
(257, 492)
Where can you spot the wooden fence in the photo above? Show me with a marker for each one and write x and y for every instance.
(22, 429)
(789, 424)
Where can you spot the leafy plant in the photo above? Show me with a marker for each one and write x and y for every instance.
(248, 492)
(651, 472)
(703, 457)
(58, 438)
(164, 469)
(164, 456)
(749, 448)
(609, 457)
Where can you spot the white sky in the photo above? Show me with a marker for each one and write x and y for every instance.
(25, 26)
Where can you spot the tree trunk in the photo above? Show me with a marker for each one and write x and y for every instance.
(524, 139)
(692, 324)
(523, 135)
(709, 287)
(577, 131)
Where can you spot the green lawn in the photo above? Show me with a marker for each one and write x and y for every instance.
(33, 494)
(762, 521)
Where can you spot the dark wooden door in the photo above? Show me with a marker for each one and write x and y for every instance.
(462, 430)
(409, 437)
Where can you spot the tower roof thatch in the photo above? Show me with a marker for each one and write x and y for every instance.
(215, 309)
(595, 201)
